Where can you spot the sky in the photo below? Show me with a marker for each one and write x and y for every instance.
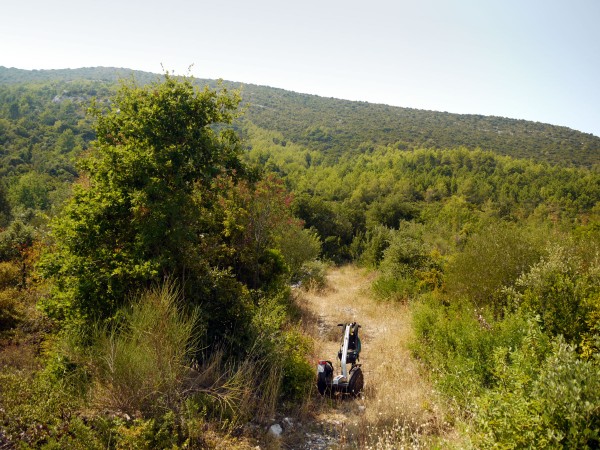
(524, 59)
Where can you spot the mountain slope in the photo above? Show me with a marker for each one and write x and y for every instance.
(339, 126)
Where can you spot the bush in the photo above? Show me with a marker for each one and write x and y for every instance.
(14, 239)
(458, 343)
(313, 275)
(39, 412)
(493, 258)
(564, 292)
(394, 288)
(298, 373)
(10, 275)
(298, 246)
(376, 241)
(407, 266)
(11, 308)
(284, 350)
(549, 405)
(406, 253)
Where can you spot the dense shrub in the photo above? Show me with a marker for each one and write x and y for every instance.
(313, 275)
(14, 239)
(564, 291)
(408, 266)
(37, 411)
(298, 247)
(554, 404)
(493, 258)
(374, 243)
(283, 348)
(458, 342)
(11, 308)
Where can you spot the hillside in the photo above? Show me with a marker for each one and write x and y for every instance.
(168, 271)
(337, 127)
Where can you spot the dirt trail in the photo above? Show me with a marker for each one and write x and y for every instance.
(398, 408)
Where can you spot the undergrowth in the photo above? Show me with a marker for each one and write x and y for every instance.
(145, 382)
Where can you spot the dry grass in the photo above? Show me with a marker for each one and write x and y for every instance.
(399, 408)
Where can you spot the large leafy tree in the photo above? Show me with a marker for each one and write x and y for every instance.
(135, 216)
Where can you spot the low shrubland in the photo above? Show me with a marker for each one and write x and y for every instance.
(147, 382)
(520, 364)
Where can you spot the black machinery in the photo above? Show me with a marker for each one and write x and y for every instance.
(348, 382)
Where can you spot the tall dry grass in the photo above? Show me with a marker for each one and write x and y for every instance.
(140, 365)
(144, 367)
(398, 408)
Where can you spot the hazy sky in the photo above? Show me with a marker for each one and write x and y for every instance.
(525, 59)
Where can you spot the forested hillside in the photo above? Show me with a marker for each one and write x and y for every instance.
(337, 127)
(150, 231)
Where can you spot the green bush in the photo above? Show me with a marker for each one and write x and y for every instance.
(10, 275)
(313, 275)
(37, 411)
(298, 373)
(552, 404)
(408, 266)
(298, 246)
(458, 343)
(376, 241)
(284, 350)
(394, 288)
(14, 239)
(563, 291)
(406, 253)
(493, 258)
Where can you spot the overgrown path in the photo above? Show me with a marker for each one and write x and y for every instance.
(398, 408)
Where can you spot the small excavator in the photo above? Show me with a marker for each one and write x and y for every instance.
(348, 382)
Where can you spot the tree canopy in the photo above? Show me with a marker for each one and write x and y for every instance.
(134, 215)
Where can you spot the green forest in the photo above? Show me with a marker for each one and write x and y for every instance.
(154, 229)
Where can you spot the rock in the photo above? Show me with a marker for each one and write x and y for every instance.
(275, 430)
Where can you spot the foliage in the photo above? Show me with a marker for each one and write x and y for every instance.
(284, 348)
(548, 406)
(563, 291)
(493, 258)
(327, 125)
(136, 218)
(451, 191)
(257, 219)
(508, 325)
(459, 342)
(300, 248)
(523, 388)
(313, 275)
(11, 309)
(330, 222)
(14, 240)
(41, 412)
(36, 412)
(407, 266)
(371, 247)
